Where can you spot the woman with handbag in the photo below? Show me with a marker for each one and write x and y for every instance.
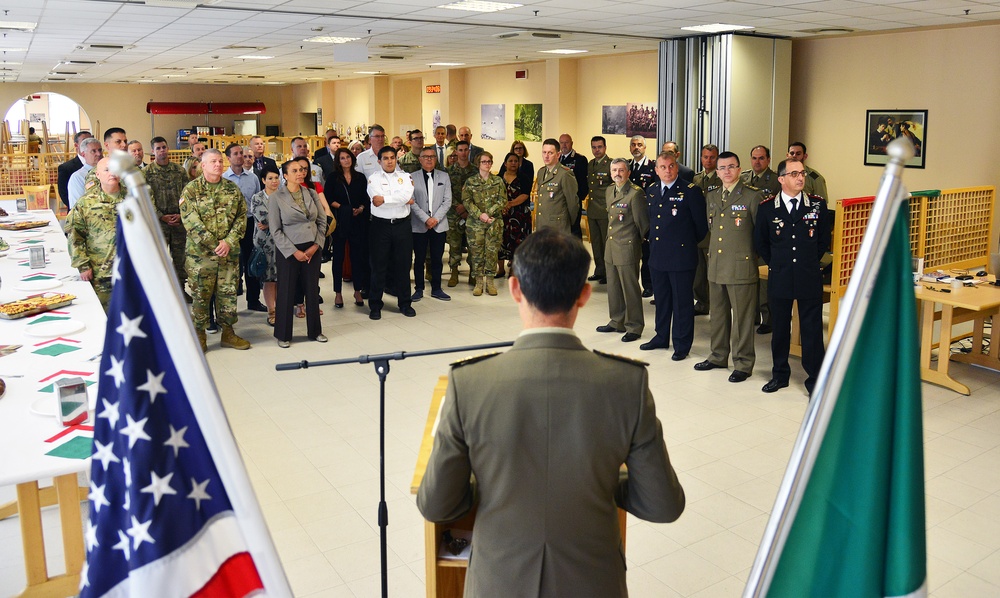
(262, 240)
(349, 199)
(298, 225)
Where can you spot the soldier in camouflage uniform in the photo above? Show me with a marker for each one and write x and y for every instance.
(485, 198)
(214, 213)
(459, 172)
(91, 230)
(167, 180)
(410, 161)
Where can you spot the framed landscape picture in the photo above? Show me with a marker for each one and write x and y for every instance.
(884, 126)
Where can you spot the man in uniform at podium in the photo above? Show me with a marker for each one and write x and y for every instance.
(547, 445)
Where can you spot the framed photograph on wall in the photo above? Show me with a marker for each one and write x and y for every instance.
(884, 126)
(527, 122)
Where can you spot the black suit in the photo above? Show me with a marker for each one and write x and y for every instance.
(678, 221)
(643, 176)
(325, 163)
(260, 163)
(685, 173)
(66, 170)
(578, 164)
(792, 248)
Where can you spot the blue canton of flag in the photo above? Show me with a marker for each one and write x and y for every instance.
(161, 522)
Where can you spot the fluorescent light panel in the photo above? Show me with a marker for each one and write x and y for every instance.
(445, 64)
(367, 72)
(480, 6)
(563, 51)
(22, 25)
(255, 57)
(331, 39)
(716, 28)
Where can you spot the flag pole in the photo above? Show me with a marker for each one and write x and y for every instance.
(205, 400)
(890, 196)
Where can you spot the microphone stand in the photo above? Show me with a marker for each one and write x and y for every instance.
(381, 362)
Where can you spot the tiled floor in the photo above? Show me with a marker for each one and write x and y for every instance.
(310, 442)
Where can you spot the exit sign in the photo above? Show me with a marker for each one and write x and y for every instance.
(433, 89)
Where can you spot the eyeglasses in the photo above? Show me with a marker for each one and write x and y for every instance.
(795, 174)
(728, 167)
(486, 161)
(417, 137)
(428, 157)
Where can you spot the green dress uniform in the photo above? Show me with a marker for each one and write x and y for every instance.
(484, 197)
(456, 225)
(628, 225)
(557, 204)
(769, 186)
(409, 162)
(166, 183)
(213, 212)
(815, 184)
(702, 294)
(598, 181)
(91, 230)
(733, 274)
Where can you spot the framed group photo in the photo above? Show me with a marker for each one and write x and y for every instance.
(884, 126)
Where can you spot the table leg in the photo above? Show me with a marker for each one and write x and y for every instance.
(989, 359)
(29, 509)
(68, 492)
(938, 375)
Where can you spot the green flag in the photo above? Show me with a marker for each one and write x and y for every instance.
(860, 529)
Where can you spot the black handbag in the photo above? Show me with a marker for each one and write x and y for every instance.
(257, 265)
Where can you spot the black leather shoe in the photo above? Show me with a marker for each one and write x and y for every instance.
(706, 365)
(593, 278)
(408, 311)
(773, 385)
(257, 307)
(738, 376)
(441, 295)
(647, 293)
(652, 345)
(810, 386)
(417, 295)
(630, 337)
(679, 356)
(608, 329)
(764, 329)
(375, 314)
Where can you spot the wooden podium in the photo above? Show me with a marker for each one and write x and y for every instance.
(445, 578)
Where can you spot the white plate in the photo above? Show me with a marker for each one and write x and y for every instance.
(27, 235)
(54, 328)
(38, 285)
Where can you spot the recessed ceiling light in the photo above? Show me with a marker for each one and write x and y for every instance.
(367, 72)
(204, 68)
(716, 28)
(175, 75)
(563, 51)
(330, 39)
(13, 49)
(313, 79)
(273, 83)
(147, 80)
(18, 25)
(255, 57)
(480, 6)
(8, 62)
(445, 64)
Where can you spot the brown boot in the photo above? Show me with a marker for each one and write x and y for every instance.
(472, 279)
(201, 339)
(479, 287)
(231, 340)
(453, 279)
(491, 289)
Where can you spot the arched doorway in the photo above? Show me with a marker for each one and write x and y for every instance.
(59, 114)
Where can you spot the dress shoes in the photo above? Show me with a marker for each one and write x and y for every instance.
(679, 356)
(375, 314)
(320, 338)
(738, 376)
(773, 385)
(256, 306)
(594, 278)
(653, 345)
(647, 293)
(417, 295)
(764, 329)
(704, 366)
(441, 295)
(630, 337)
(608, 329)
(408, 311)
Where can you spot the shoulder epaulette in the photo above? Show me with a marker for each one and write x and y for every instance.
(815, 197)
(814, 174)
(751, 187)
(622, 358)
(692, 186)
(474, 359)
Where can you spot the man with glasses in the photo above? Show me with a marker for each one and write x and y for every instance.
(410, 161)
(732, 270)
(429, 220)
(792, 234)
(368, 160)
(815, 183)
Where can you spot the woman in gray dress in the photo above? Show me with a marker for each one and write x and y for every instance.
(271, 178)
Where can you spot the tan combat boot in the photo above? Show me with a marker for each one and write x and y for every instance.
(453, 279)
(201, 339)
(479, 287)
(491, 289)
(472, 279)
(230, 339)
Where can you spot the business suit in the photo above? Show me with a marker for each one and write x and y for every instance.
(420, 212)
(65, 171)
(677, 223)
(326, 164)
(733, 274)
(685, 173)
(260, 163)
(792, 248)
(598, 183)
(474, 151)
(546, 446)
(578, 164)
(557, 204)
(628, 225)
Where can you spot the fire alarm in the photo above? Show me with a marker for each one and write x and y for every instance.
(521, 74)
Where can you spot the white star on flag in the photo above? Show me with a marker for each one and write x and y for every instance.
(92, 542)
(116, 274)
(129, 328)
(134, 430)
(96, 496)
(122, 545)
(140, 533)
(153, 385)
(85, 576)
(176, 439)
(110, 410)
(104, 453)
(159, 486)
(128, 472)
(117, 372)
(198, 493)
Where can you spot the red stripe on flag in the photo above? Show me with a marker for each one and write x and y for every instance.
(236, 577)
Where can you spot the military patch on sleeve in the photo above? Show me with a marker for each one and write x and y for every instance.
(622, 358)
(474, 359)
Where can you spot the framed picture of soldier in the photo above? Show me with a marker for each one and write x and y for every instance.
(640, 119)
(527, 122)
(884, 126)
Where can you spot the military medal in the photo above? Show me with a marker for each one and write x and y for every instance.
(811, 231)
(738, 220)
(621, 217)
(673, 211)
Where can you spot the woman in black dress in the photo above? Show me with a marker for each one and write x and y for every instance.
(517, 214)
(348, 193)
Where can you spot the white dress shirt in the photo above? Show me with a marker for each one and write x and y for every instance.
(397, 189)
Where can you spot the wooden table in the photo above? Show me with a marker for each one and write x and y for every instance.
(966, 304)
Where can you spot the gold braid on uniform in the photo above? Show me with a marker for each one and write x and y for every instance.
(474, 359)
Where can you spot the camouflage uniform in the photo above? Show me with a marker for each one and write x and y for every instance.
(212, 213)
(91, 229)
(409, 162)
(484, 197)
(456, 225)
(167, 182)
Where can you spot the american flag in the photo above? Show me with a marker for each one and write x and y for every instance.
(162, 520)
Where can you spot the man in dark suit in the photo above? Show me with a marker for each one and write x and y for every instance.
(684, 173)
(67, 168)
(578, 164)
(792, 234)
(643, 174)
(429, 222)
(325, 160)
(548, 443)
(325, 150)
(259, 159)
(678, 223)
(465, 134)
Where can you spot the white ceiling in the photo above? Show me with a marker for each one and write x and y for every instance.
(168, 44)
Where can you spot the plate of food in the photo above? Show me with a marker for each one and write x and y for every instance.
(55, 328)
(23, 224)
(34, 304)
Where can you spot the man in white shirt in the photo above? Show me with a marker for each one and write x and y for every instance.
(249, 185)
(91, 152)
(389, 237)
(368, 161)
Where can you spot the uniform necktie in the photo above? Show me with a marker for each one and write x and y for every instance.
(725, 194)
(794, 202)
